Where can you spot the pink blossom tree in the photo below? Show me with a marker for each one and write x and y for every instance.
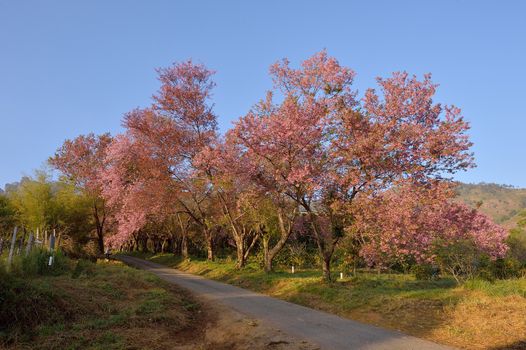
(152, 166)
(82, 161)
(234, 194)
(324, 149)
(408, 224)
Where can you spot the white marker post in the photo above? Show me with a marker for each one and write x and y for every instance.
(292, 268)
(341, 275)
(12, 248)
(51, 248)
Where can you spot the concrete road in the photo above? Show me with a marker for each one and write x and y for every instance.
(326, 330)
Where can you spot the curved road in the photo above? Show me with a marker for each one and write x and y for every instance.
(326, 330)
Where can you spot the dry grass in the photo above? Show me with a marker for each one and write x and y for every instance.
(481, 322)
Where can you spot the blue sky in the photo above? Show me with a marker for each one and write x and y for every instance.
(72, 67)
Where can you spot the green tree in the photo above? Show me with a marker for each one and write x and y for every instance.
(7, 215)
(517, 239)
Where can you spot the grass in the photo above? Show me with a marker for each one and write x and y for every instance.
(96, 306)
(477, 315)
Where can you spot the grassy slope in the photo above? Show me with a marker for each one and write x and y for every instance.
(503, 204)
(109, 306)
(478, 315)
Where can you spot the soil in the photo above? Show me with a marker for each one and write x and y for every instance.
(219, 328)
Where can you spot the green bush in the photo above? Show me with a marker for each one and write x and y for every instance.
(37, 264)
(499, 269)
(425, 272)
(461, 259)
(296, 253)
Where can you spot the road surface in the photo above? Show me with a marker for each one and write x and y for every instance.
(326, 330)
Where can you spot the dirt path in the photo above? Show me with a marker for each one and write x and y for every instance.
(320, 328)
(219, 327)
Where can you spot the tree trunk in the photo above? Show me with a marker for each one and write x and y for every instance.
(184, 246)
(209, 244)
(184, 237)
(240, 250)
(99, 225)
(267, 258)
(270, 253)
(145, 244)
(325, 249)
(326, 268)
(100, 240)
(210, 252)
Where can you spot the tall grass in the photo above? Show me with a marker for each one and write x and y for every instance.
(498, 288)
(37, 264)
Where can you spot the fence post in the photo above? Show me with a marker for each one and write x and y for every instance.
(21, 242)
(29, 244)
(12, 248)
(51, 248)
(38, 240)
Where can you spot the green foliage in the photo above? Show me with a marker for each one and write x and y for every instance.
(33, 201)
(464, 262)
(37, 264)
(460, 259)
(297, 254)
(425, 272)
(517, 239)
(44, 204)
(506, 268)
(7, 214)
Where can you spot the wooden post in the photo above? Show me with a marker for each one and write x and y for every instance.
(29, 244)
(21, 244)
(12, 249)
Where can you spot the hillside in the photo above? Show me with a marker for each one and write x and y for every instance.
(500, 202)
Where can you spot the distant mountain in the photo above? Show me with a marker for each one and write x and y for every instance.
(501, 202)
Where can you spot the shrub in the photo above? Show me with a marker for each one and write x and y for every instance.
(461, 259)
(37, 264)
(507, 268)
(517, 243)
(425, 272)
